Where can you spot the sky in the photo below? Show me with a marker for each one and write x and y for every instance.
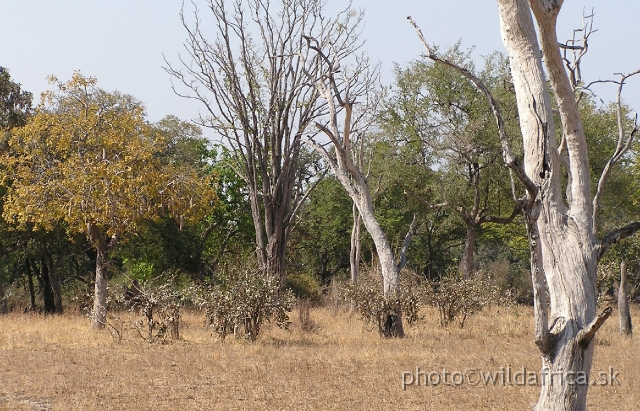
(122, 42)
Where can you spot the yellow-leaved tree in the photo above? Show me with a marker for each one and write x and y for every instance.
(89, 158)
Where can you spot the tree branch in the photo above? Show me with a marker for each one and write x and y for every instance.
(624, 144)
(585, 335)
(510, 160)
(517, 208)
(407, 241)
(617, 235)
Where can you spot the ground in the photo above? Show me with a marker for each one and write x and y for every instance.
(57, 363)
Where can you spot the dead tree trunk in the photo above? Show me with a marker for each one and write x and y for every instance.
(346, 171)
(354, 255)
(623, 301)
(561, 229)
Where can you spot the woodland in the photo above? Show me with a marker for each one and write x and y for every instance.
(471, 181)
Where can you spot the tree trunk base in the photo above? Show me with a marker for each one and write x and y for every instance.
(392, 326)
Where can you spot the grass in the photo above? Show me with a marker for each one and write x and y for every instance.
(57, 363)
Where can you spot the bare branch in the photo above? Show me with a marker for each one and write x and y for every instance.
(585, 335)
(617, 235)
(510, 159)
(573, 52)
(407, 241)
(623, 146)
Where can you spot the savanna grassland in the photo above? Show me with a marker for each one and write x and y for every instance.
(57, 363)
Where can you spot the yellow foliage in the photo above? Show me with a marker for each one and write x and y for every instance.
(89, 156)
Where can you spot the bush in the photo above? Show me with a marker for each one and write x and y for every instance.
(304, 286)
(158, 301)
(458, 298)
(368, 300)
(243, 300)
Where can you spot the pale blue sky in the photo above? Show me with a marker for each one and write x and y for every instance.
(121, 42)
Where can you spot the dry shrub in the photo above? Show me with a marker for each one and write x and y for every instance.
(158, 302)
(457, 297)
(244, 299)
(304, 315)
(370, 303)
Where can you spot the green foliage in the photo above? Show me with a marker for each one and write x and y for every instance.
(15, 104)
(321, 240)
(304, 286)
(440, 156)
(244, 299)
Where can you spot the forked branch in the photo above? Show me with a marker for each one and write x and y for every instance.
(407, 241)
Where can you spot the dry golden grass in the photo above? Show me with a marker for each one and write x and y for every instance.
(58, 363)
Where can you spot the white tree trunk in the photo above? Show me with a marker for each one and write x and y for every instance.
(102, 247)
(564, 248)
(361, 197)
(355, 183)
(354, 255)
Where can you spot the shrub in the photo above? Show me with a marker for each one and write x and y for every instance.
(158, 302)
(458, 298)
(369, 302)
(304, 286)
(243, 300)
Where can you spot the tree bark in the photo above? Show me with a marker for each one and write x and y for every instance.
(469, 247)
(3, 300)
(96, 237)
(32, 292)
(54, 281)
(623, 302)
(564, 248)
(45, 284)
(99, 312)
(356, 241)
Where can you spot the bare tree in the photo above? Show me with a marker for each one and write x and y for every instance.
(251, 80)
(341, 87)
(561, 228)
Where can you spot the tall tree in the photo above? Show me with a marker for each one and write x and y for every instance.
(15, 107)
(87, 157)
(345, 88)
(251, 80)
(449, 117)
(561, 228)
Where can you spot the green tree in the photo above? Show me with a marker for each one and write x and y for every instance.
(15, 104)
(450, 121)
(322, 237)
(88, 157)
